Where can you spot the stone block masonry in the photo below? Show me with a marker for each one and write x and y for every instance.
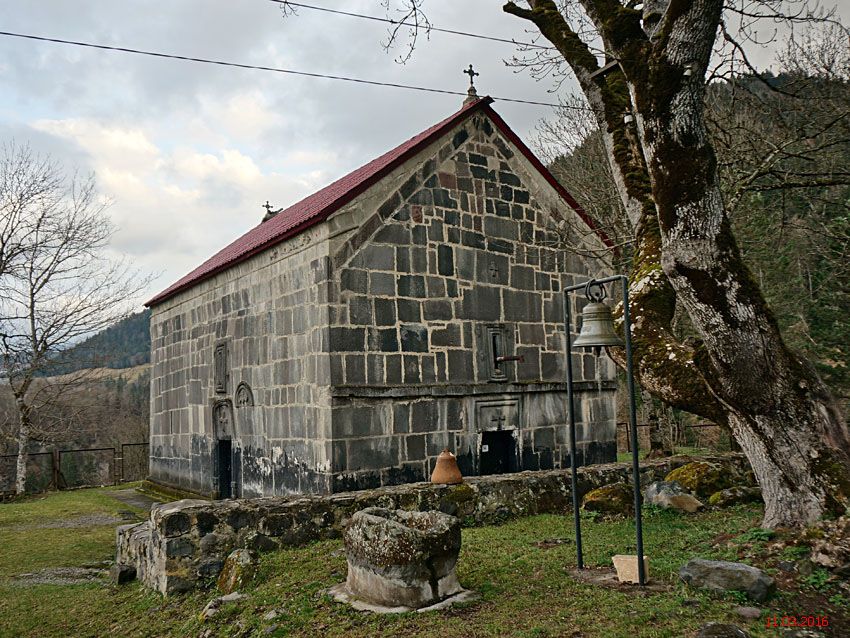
(464, 266)
(264, 330)
(184, 544)
(349, 355)
(387, 437)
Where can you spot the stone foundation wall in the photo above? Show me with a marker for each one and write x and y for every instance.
(391, 437)
(184, 544)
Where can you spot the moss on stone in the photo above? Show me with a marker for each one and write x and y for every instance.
(239, 570)
(701, 478)
(617, 498)
(458, 494)
(735, 496)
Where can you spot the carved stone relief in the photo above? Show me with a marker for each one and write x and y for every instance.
(297, 242)
(244, 396)
(220, 368)
(499, 414)
(223, 418)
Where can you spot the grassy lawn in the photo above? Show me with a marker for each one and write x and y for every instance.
(525, 590)
(31, 540)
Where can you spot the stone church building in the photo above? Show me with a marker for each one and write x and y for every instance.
(410, 306)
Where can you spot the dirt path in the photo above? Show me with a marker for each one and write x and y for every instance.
(61, 576)
(134, 498)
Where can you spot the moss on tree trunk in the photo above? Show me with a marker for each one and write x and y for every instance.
(740, 372)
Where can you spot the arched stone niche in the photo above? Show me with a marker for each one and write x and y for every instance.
(244, 396)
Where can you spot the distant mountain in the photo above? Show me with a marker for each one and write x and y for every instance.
(122, 345)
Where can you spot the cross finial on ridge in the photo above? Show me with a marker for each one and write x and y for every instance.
(269, 212)
(471, 93)
(471, 73)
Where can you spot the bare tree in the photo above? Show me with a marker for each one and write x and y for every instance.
(574, 149)
(58, 285)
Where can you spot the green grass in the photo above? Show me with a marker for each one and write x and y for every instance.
(28, 547)
(41, 508)
(39, 549)
(525, 591)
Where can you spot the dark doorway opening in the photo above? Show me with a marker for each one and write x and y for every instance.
(498, 452)
(225, 469)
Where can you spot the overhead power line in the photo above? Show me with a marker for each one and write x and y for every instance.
(414, 25)
(186, 58)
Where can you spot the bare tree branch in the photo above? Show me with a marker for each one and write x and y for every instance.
(58, 284)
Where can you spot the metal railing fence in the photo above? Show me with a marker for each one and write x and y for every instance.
(78, 467)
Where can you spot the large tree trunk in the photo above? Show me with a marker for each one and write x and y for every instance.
(662, 363)
(740, 373)
(778, 409)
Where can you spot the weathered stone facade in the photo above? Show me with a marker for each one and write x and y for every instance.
(184, 544)
(348, 356)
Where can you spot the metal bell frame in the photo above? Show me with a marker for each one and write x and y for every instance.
(595, 292)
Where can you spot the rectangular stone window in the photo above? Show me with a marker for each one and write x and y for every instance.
(493, 340)
(497, 347)
(220, 368)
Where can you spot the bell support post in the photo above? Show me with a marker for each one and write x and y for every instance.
(571, 412)
(597, 332)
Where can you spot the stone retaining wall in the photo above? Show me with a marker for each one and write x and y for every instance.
(184, 544)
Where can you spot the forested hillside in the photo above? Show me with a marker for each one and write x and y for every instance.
(122, 345)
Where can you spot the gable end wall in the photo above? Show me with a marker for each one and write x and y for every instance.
(453, 244)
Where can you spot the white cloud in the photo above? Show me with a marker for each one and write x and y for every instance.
(189, 152)
(174, 207)
(228, 165)
(115, 146)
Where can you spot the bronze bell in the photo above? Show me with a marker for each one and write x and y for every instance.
(446, 471)
(597, 327)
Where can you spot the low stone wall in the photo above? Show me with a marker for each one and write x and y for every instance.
(184, 544)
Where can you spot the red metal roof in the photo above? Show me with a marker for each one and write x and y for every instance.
(317, 207)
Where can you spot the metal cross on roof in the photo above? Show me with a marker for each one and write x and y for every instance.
(267, 206)
(471, 73)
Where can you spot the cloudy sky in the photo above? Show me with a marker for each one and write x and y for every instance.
(189, 152)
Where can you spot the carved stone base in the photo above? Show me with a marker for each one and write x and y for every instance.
(398, 558)
(341, 594)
